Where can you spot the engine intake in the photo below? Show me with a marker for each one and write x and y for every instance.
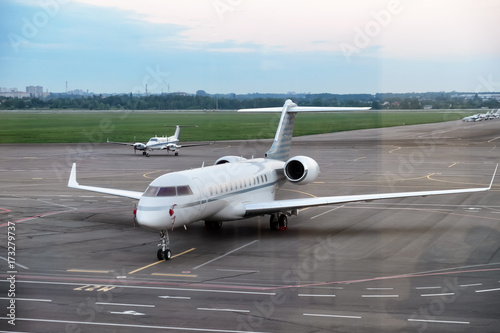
(301, 170)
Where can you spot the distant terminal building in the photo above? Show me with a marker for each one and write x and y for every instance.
(35, 91)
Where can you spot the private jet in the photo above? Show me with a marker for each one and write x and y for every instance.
(169, 143)
(236, 188)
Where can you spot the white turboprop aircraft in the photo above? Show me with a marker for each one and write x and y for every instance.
(170, 143)
(236, 188)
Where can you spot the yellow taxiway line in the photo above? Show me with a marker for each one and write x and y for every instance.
(159, 261)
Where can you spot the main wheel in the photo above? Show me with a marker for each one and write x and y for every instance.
(273, 223)
(159, 254)
(283, 222)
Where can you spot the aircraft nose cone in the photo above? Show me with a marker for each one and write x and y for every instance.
(152, 219)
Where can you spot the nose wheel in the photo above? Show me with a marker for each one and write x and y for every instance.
(164, 253)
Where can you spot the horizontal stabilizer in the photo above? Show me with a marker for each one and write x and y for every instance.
(307, 109)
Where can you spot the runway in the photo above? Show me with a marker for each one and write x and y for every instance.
(414, 265)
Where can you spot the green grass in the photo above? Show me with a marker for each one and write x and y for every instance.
(74, 127)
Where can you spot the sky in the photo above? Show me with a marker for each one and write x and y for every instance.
(251, 46)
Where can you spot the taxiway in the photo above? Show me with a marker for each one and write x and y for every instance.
(415, 265)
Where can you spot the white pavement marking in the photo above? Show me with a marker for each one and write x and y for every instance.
(172, 328)
(222, 256)
(487, 290)
(19, 265)
(175, 297)
(471, 285)
(330, 316)
(223, 310)
(315, 295)
(442, 294)
(328, 211)
(236, 270)
(440, 321)
(379, 288)
(123, 304)
(158, 288)
(131, 312)
(421, 288)
(29, 299)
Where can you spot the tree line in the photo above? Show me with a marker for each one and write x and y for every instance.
(234, 102)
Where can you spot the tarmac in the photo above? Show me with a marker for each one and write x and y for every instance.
(401, 265)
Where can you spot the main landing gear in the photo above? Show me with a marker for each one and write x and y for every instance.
(164, 253)
(278, 222)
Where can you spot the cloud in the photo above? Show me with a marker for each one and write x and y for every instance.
(398, 28)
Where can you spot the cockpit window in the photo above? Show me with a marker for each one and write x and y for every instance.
(151, 191)
(166, 192)
(184, 190)
(169, 191)
(153, 140)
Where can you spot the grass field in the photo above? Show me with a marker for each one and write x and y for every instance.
(75, 127)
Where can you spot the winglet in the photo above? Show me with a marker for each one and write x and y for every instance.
(72, 177)
(493, 178)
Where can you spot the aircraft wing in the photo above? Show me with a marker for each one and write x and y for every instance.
(121, 193)
(286, 205)
(121, 143)
(187, 145)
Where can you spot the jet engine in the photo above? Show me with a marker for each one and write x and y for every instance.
(229, 159)
(301, 169)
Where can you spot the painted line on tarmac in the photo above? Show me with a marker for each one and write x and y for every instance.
(224, 255)
(160, 261)
(172, 328)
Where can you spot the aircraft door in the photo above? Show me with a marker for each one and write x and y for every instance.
(201, 196)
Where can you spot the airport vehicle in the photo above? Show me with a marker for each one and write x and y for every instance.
(235, 188)
(170, 143)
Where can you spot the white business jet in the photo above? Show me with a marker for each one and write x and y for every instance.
(236, 188)
(169, 143)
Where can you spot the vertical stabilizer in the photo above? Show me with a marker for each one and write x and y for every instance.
(280, 150)
(177, 132)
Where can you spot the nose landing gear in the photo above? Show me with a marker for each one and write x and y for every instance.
(164, 253)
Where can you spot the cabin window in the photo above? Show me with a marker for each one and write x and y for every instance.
(265, 176)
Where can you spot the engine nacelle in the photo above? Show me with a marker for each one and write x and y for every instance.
(229, 159)
(139, 145)
(301, 169)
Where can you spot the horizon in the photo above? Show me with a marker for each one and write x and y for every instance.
(337, 47)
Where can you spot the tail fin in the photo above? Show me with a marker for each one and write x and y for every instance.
(178, 130)
(280, 150)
